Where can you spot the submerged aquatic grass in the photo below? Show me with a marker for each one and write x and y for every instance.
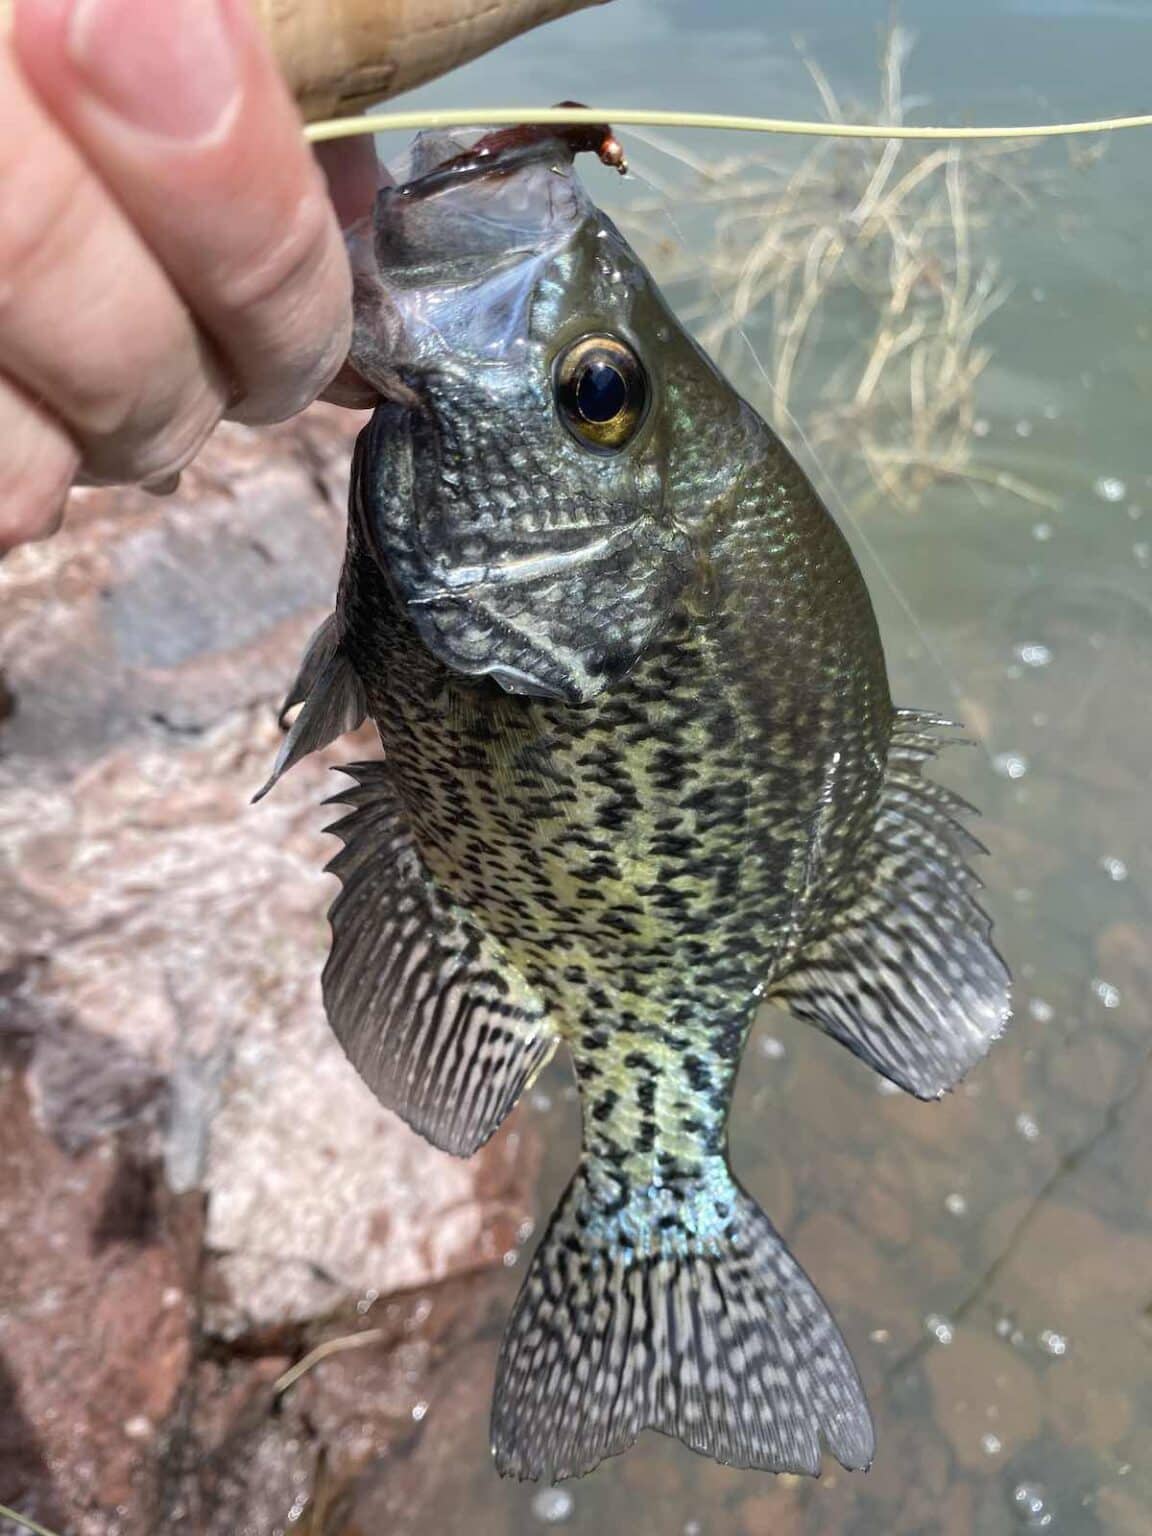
(893, 244)
(893, 212)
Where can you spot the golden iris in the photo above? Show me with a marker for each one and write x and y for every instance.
(601, 392)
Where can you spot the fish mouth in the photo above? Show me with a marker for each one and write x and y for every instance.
(462, 215)
(502, 151)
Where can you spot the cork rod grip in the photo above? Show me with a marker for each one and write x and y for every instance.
(341, 55)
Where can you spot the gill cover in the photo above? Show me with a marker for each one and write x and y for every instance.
(514, 497)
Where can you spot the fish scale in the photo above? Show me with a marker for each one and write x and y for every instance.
(641, 770)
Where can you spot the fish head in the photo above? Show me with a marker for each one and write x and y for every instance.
(538, 487)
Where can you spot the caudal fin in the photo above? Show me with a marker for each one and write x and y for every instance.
(679, 1310)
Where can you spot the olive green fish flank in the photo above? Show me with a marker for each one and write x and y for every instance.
(641, 770)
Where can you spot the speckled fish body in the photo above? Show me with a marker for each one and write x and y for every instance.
(641, 770)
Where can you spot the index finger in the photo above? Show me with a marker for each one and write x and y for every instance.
(181, 111)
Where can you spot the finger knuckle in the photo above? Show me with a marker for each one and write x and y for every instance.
(293, 300)
(283, 267)
(128, 342)
(155, 446)
(41, 217)
(35, 476)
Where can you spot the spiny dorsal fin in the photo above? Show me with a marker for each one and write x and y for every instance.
(436, 1020)
(908, 977)
(333, 699)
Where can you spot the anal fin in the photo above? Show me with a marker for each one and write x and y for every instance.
(435, 1018)
(907, 975)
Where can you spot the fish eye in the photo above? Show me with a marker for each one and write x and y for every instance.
(601, 392)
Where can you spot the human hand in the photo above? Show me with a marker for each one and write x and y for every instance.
(168, 250)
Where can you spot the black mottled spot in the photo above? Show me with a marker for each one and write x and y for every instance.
(698, 1075)
(605, 1104)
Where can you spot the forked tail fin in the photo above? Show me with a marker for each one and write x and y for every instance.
(678, 1309)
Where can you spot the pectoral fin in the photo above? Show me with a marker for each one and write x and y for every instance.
(333, 699)
(435, 1018)
(907, 975)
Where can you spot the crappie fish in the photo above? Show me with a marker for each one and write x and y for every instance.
(641, 771)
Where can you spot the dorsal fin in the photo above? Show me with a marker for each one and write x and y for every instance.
(436, 1019)
(333, 699)
(908, 977)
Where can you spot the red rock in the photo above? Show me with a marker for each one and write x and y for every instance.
(981, 1385)
(1124, 960)
(1121, 1513)
(170, 1051)
(856, 1278)
(1077, 1267)
(443, 1475)
(96, 1320)
(772, 1514)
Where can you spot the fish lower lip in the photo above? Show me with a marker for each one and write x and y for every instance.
(509, 572)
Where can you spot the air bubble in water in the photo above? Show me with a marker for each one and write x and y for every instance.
(991, 1444)
(1010, 765)
(1107, 993)
(1031, 1506)
(553, 1506)
(1108, 488)
(771, 1047)
(1040, 1010)
(1115, 869)
(1034, 655)
(1024, 428)
(1055, 1343)
(1027, 1127)
(940, 1328)
(956, 1205)
(1042, 532)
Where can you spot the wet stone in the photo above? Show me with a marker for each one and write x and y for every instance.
(771, 1515)
(195, 1180)
(980, 1384)
(97, 1268)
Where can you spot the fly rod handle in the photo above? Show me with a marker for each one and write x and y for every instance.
(338, 56)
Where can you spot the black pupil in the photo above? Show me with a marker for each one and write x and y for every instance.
(601, 393)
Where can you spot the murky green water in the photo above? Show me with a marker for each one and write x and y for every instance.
(990, 1258)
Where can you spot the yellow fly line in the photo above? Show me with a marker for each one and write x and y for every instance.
(510, 117)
